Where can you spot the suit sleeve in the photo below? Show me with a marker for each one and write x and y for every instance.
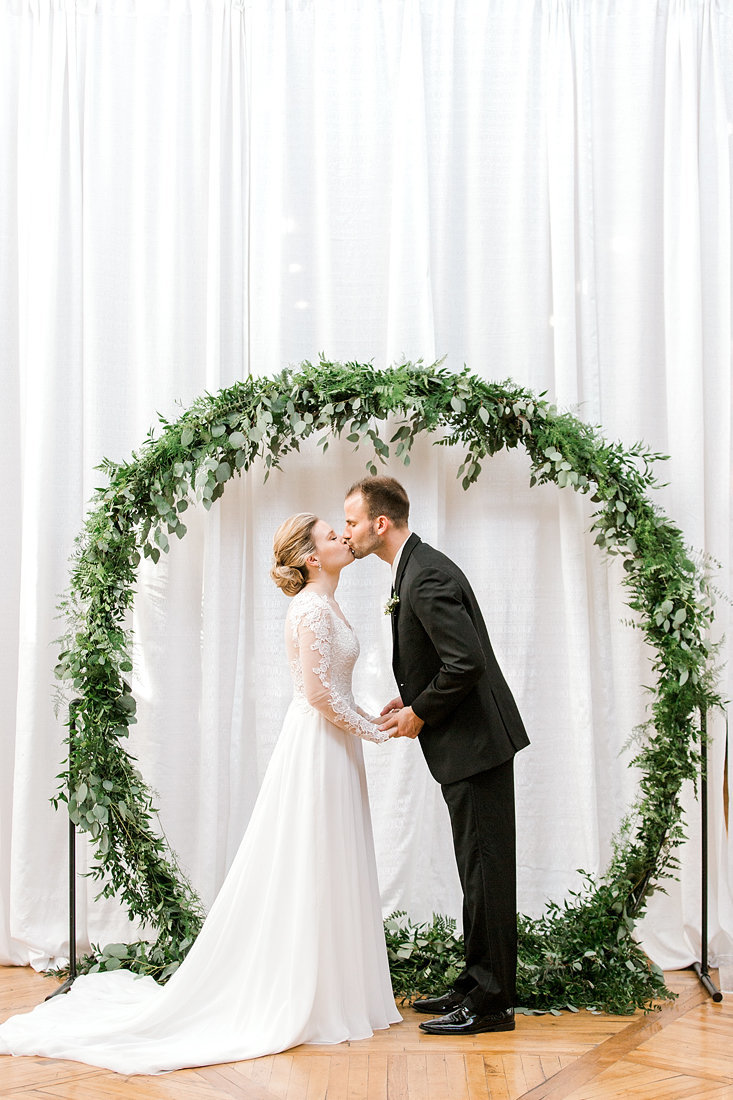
(437, 601)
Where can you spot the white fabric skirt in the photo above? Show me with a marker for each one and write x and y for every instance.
(292, 951)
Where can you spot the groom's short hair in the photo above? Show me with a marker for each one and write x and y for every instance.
(383, 496)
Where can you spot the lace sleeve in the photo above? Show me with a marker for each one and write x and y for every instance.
(314, 630)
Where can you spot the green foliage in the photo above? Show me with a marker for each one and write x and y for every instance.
(582, 954)
(423, 958)
(160, 959)
(141, 506)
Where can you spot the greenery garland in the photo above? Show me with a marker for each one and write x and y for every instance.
(580, 953)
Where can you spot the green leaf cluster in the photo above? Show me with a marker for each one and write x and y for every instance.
(582, 954)
(423, 958)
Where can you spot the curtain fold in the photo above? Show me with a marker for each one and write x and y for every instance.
(197, 190)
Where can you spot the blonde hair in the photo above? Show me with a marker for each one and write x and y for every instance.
(291, 546)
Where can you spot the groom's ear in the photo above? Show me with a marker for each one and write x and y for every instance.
(382, 524)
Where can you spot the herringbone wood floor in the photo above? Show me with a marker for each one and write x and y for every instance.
(686, 1050)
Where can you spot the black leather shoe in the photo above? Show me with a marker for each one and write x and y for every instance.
(464, 1021)
(438, 1006)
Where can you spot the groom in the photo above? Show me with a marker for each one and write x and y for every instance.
(454, 697)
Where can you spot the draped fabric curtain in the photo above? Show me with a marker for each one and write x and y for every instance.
(196, 190)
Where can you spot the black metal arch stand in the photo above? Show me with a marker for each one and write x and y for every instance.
(701, 968)
(66, 986)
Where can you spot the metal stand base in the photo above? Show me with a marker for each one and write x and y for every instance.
(708, 982)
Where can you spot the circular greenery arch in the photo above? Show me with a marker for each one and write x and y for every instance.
(580, 952)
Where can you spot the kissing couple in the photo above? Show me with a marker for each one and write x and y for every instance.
(293, 948)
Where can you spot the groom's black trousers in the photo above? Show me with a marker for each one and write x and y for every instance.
(481, 810)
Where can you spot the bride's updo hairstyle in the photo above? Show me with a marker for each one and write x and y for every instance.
(291, 547)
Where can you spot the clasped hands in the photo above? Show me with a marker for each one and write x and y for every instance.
(399, 720)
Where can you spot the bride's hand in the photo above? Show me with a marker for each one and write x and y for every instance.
(402, 722)
(394, 704)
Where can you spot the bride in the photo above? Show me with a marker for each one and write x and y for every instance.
(293, 948)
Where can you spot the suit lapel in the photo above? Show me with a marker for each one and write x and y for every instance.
(404, 556)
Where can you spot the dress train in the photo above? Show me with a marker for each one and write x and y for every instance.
(293, 948)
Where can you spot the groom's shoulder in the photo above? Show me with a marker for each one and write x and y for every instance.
(426, 556)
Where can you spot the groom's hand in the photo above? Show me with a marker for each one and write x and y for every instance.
(402, 722)
(393, 704)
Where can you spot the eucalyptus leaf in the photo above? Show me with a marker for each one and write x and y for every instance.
(117, 950)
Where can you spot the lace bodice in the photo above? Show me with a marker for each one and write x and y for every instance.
(322, 650)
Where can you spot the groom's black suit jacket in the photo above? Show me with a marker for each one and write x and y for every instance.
(446, 669)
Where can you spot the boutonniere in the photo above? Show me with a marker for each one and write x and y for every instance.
(391, 604)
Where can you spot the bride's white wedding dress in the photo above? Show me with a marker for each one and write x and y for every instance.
(293, 949)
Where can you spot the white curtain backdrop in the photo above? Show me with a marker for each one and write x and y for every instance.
(195, 190)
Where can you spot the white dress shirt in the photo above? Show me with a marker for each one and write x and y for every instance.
(396, 561)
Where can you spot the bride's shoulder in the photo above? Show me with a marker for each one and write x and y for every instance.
(307, 595)
(306, 602)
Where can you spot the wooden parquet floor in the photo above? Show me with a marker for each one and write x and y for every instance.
(686, 1050)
